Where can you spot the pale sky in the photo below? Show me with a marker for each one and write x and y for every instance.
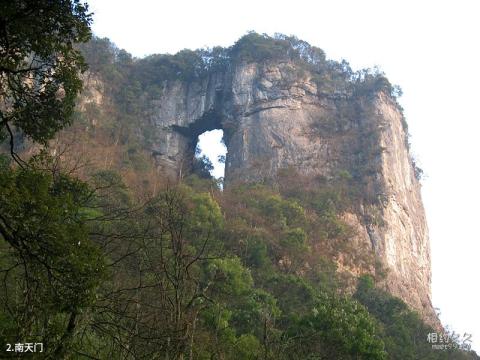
(429, 48)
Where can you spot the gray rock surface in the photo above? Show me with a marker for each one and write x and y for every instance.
(274, 117)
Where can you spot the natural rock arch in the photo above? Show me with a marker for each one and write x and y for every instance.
(274, 117)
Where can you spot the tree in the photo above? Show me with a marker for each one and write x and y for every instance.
(39, 66)
(186, 226)
(338, 328)
(49, 268)
(202, 166)
(403, 331)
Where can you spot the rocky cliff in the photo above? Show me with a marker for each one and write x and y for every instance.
(288, 109)
(274, 117)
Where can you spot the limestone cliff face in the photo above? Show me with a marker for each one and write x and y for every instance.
(274, 116)
(402, 241)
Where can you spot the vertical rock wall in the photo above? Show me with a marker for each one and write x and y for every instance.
(275, 117)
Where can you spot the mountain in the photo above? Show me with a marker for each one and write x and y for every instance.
(284, 108)
(316, 244)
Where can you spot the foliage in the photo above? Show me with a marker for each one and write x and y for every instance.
(340, 328)
(50, 267)
(202, 166)
(256, 47)
(404, 333)
(39, 67)
(193, 273)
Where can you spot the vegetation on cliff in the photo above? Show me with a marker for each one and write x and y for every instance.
(150, 73)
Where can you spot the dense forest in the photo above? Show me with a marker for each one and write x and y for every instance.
(102, 257)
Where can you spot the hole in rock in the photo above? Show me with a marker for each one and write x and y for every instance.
(210, 146)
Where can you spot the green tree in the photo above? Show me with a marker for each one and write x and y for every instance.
(202, 166)
(39, 66)
(49, 267)
(340, 328)
(403, 331)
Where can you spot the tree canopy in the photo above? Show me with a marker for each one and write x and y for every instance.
(39, 66)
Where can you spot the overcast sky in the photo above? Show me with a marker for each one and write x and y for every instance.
(430, 48)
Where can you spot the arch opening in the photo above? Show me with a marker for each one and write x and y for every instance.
(211, 152)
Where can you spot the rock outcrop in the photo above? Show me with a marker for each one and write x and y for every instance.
(275, 116)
